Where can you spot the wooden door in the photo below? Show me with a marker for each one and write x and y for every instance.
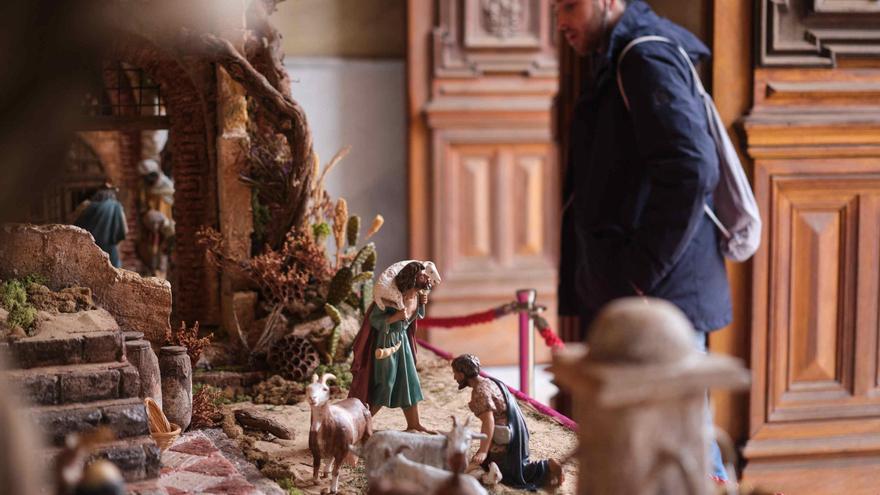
(484, 188)
(814, 133)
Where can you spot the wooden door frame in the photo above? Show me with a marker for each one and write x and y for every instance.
(418, 68)
(732, 82)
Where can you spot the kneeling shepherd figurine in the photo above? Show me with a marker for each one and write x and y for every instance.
(507, 442)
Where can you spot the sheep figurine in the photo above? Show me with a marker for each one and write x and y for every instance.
(334, 427)
(427, 478)
(385, 292)
(447, 451)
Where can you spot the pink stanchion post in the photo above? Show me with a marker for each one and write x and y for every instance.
(526, 341)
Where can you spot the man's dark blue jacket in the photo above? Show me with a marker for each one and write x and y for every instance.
(637, 180)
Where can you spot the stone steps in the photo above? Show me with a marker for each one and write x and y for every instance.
(77, 378)
(67, 349)
(52, 385)
(125, 417)
(138, 458)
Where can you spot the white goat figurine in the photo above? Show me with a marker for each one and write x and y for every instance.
(334, 427)
(429, 479)
(385, 292)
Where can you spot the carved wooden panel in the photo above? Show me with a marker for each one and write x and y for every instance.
(495, 230)
(502, 23)
(817, 32)
(846, 6)
(816, 322)
(498, 216)
(483, 174)
(476, 37)
(815, 236)
(528, 195)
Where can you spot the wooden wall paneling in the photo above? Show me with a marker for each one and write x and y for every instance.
(814, 134)
(483, 182)
(867, 313)
(815, 354)
(815, 33)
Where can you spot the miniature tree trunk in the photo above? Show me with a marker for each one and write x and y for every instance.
(294, 358)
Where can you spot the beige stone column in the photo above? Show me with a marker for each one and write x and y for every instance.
(234, 197)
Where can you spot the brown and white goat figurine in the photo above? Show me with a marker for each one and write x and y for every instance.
(334, 427)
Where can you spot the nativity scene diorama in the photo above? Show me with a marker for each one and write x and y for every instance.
(191, 311)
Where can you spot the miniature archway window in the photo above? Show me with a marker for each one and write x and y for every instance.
(82, 176)
(122, 89)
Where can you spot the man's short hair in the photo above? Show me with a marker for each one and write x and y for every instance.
(467, 364)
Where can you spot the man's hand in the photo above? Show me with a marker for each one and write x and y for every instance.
(423, 298)
(400, 315)
(479, 458)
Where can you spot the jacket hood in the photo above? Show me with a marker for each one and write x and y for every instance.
(640, 20)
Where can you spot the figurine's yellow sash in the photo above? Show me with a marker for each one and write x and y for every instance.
(386, 352)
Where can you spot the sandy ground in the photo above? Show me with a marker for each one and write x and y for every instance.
(292, 458)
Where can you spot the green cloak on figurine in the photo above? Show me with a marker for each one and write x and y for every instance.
(384, 365)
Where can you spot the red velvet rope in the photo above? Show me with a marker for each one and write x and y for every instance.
(550, 338)
(459, 321)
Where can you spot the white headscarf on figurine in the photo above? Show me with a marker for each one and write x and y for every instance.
(163, 186)
(385, 292)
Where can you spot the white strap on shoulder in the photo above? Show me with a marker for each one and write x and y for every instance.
(662, 39)
(707, 102)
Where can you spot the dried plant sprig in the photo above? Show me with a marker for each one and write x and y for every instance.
(340, 220)
(205, 412)
(342, 153)
(189, 338)
(321, 205)
(377, 224)
(282, 274)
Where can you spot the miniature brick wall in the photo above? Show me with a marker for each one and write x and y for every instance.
(129, 156)
(189, 88)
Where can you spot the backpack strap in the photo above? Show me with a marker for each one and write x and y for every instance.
(707, 102)
(643, 39)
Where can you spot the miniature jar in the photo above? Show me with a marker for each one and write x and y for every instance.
(176, 372)
(140, 354)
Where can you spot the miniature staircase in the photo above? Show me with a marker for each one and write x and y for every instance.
(78, 381)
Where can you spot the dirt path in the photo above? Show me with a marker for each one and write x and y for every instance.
(548, 438)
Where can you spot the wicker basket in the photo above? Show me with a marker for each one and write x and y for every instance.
(163, 432)
(166, 439)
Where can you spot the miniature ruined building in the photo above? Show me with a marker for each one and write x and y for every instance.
(160, 67)
(150, 81)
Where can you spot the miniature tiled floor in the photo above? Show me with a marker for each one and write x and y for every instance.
(206, 462)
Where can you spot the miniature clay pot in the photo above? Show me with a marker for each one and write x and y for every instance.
(140, 354)
(176, 385)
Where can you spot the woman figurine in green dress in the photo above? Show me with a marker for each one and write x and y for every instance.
(384, 364)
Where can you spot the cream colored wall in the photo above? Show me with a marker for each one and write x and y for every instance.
(343, 28)
(346, 61)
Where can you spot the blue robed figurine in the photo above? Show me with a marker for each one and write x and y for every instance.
(104, 218)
